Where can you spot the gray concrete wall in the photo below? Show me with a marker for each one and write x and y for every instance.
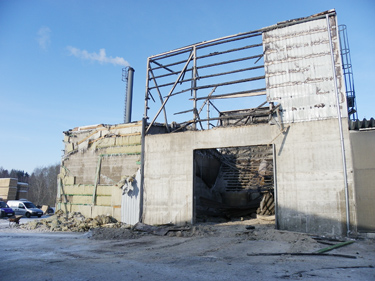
(310, 183)
(363, 149)
(310, 179)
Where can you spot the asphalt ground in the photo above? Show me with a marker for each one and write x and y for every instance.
(217, 252)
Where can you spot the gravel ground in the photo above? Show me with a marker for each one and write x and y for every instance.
(207, 251)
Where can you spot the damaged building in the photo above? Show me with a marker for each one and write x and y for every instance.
(259, 122)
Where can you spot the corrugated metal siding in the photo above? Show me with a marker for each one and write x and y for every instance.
(298, 70)
(130, 203)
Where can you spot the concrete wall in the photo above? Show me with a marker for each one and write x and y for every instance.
(310, 179)
(363, 150)
(96, 162)
(310, 183)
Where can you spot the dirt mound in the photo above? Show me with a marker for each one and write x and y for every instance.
(75, 222)
(108, 228)
(103, 233)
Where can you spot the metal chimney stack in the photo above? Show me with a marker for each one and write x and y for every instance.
(127, 76)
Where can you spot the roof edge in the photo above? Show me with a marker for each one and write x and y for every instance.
(282, 24)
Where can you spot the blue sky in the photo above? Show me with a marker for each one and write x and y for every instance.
(61, 61)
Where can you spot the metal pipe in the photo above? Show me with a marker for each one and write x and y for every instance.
(209, 43)
(194, 85)
(141, 187)
(230, 61)
(204, 56)
(147, 90)
(231, 82)
(129, 96)
(230, 51)
(213, 90)
(256, 92)
(251, 93)
(208, 114)
(205, 76)
(275, 185)
(340, 128)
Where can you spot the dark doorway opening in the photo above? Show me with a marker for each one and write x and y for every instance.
(233, 182)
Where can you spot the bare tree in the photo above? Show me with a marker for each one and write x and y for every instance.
(4, 173)
(43, 185)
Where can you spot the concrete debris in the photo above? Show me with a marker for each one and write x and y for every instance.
(250, 227)
(107, 227)
(74, 222)
(162, 230)
(140, 229)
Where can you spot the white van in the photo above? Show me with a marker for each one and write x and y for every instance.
(25, 208)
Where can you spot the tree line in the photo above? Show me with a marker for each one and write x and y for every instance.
(22, 176)
(42, 183)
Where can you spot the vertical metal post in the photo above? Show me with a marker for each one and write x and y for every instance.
(275, 186)
(208, 115)
(194, 200)
(141, 188)
(340, 127)
(147, 85)
(97, 177)
(194, 85)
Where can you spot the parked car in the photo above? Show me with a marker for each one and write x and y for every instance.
(25, 208)
(5, 211)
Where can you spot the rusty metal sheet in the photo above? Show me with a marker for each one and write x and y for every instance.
(299, 73)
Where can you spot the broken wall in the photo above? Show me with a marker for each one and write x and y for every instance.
(304, 75)
(96, 163)
(310, 178)
(309, 189)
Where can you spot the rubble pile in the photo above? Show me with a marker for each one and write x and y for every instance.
(107, 227)
(74, 222)
(104, 227)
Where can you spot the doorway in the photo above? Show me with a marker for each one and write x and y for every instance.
(234, 182)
